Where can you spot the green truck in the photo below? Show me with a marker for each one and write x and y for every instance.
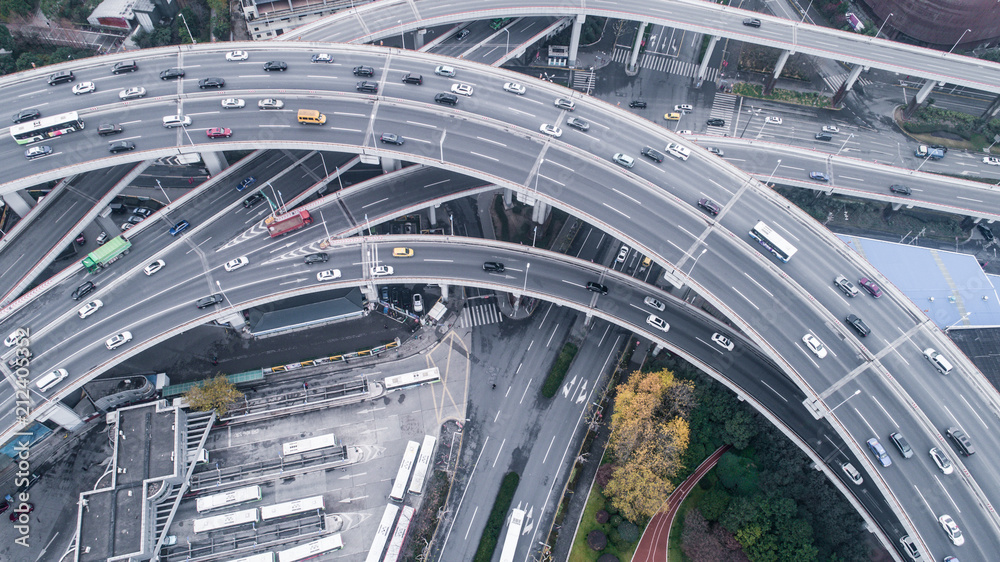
(109, 252)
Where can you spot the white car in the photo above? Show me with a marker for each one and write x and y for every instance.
(515, 88)
(852, 473)
(322, 57)
(942, 461)
(154, 267)
(132, 93)
(722, 341)
(418, 302)
(14, 337)
(658, 323)
(461, 89)
(84, 88)
(814, 345)
(650, 301)
(90, 308)
(444, 71)
(684, 107)
(237, 55)
(623, 160)
(233, 103)
(622, 253)
(328, 275)
(233, 265)
(685, 132)
(773, 119)
(830, 129)
(270, 103)
(381, 270)
(119, 340)
(550, 130)
(952, 530)
(991, 160)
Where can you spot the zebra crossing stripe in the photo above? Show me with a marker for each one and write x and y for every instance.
(480, 315)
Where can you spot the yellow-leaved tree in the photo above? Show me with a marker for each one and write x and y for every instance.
(213, 394)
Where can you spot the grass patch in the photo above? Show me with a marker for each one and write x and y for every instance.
(810, 99)
(580, 552)
(494, 525)
(558, 371)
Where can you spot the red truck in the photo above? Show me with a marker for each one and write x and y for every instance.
(289, 223)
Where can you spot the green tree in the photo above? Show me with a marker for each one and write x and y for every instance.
(213, 394)
(737, 474)
(6, 40)
(714, 503)
(11, 7)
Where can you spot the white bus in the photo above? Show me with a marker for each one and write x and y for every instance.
(513, 534)
(310, 444)
(423, 463)
(226, 520)
(402, 526)
(228, 499)
(403, 474)
(311, 550)
(295, 507)
(412, 379)
(382, 534)
(46, 128)
(262, 557)
(773, 241)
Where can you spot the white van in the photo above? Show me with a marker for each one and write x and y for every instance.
(679, 151)
(171, 121)
(939, 361)
(51, 379)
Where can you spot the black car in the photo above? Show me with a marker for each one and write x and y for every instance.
(370, 87)
(410, 78)
(208, 301)
(494, 266)
(902, 444)
(26, 115)
(251, 201)
(653, 154)
(364, 71)
(124, 66)
(961, 440)
(824, 136)
(105, 129)
(84, 290)
(275, 65)
(985, 231)
(172, 73)
(462, 34)
(578, 123)
(135, 219)
(751, 22)
(448, 99)
(316, 258)
(597, 287)
(390, 138)
(142, 212)
(859, 325)
(711, 206)
(120, 146)
(638, 104)
(900, 189)
(716, 122)
(211, 83)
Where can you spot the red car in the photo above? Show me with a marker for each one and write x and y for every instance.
(219, 132)
(15, 514)
(870, 286)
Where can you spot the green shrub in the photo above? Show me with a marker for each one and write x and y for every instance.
(494, 525)
(558, 370)
(628, 532)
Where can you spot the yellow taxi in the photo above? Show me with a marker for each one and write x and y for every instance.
(672, 116)
(402, 252)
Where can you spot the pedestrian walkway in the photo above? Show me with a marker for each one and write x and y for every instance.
(479, 315)
(584, 80)
(663, 63)
(836, 80)
(724, 107)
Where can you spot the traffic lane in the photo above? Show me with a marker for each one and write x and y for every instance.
(383, 197)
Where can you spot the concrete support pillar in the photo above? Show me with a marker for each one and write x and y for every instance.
(433, 212)
(418, 39)
(444, 291)
(992, 110)
(587, 319)
(635, 48)
(508, 197)
(214, 161)
(704, 62)
(778, 67)
(539, 212)
(847, 85)
(234, 318)
(918, 99)
(574, 39)
(390, 165)
(61, 414)
(20, 202)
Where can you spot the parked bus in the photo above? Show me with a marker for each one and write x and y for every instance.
(773, 241)
(423, 463)
(405, 468)
(226, 520)
(287, 509)
(513, 534)
(228, 499)
(402, 526)
(310, 444)
(262, 557)
(382, 534)
(412, 379)
(311, 550)
(498, 23)
(46, 128)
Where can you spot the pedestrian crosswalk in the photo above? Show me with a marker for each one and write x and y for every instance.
(724, 107)
(663, 63)
(584, 80)
(834, 82)
(480, 315)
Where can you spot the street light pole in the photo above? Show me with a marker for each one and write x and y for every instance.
(845, 144)
(219, 285)
(158, 184)
(507, 48)
(959, 41)
(703, 250)
(856, 392)
(534, 236)
(401, 37)
(806, 12)
(964, 316)
(193, 42)
(768, 182)
(883, 24)
(525, 288)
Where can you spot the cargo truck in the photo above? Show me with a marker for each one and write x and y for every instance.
(288, 223)
(106, 254)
